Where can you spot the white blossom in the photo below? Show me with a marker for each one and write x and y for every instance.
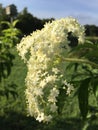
(42, 51)
(40, 117)
(53, 107)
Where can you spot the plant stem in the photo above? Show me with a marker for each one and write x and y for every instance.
(80, 61)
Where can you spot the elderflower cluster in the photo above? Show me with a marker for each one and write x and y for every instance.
(46, 71)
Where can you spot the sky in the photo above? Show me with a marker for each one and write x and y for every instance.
(85, 11)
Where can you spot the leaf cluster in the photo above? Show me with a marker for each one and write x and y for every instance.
(9, 89)
(83, 61)
(8, 39)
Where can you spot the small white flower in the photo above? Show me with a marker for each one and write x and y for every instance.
(53, 107)
(70, 88)
(38, 91)
(42, 83)
(52, 99)
(55, 70)
(48, 118)
(54, 92)
(40, 117)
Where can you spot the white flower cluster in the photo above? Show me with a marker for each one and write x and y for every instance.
(46, 71)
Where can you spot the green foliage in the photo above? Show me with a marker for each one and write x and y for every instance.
(9, 89)
(91, 30)
(8, 39)
(95, 88)
(86, 51)
(83, 97)
(85, 74)
(6, 59)
(15, 116)
(11, 34)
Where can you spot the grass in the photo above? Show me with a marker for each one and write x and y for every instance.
(13, 115)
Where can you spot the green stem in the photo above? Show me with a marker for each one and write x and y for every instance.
(80, 61)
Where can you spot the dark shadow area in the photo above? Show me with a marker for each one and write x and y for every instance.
(75, 124)
(17, 121)
(94, 127)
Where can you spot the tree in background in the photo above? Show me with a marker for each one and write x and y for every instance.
(27, 22)
(91, 30)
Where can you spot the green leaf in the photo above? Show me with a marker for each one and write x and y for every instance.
(83, 97)
(96, 92)
(15, 22)
(95, 87)
(88, 51)
(7, 23)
